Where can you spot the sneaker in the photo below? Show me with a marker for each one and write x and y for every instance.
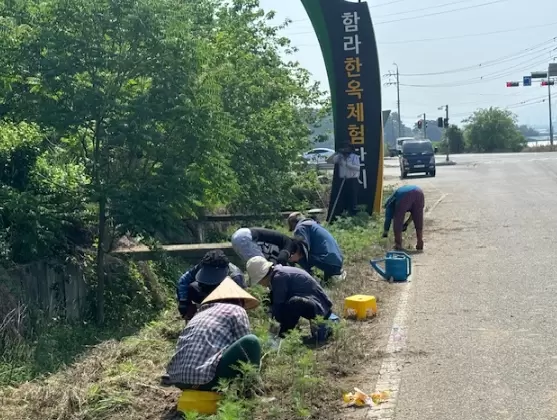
(274, 342)
(339, 278)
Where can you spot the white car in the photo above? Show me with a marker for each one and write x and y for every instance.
(318, 155)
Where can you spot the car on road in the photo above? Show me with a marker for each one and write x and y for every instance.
(400, 141)
(318, 155)
(417, 156)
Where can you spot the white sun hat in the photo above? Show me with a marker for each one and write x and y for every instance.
(258, 268)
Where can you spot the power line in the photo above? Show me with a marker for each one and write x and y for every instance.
(503, 31)
(487, 78)
(496, 61)
(441, 13)
(420, 16)
(452, 3)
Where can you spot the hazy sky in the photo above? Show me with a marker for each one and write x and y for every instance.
(415, 34)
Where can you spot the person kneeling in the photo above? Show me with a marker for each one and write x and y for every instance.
(294, 293)
(198, 282)
(216, 339)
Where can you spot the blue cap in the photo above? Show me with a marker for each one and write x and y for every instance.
(210, 275)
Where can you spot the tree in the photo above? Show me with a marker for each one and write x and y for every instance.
(455, 138)
(156, 109)
(493, 130)
(121, 86)
(528, 131)
(265, 98)
(391, 129)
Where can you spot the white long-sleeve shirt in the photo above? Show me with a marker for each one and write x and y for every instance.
(348, 166)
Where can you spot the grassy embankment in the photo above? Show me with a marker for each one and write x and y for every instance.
(118, 379)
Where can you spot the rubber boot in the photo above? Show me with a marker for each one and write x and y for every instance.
(420, 244)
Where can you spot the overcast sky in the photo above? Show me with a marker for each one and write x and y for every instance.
(426, 37)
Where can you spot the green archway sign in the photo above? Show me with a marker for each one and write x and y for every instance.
(348, 45)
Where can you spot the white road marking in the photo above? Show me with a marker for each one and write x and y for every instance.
(390, 374)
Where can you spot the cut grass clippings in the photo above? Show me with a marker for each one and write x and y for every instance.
(120, 379)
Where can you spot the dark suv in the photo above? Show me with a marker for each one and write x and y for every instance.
(417, 156)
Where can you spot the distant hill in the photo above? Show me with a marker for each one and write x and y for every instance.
(323, 132)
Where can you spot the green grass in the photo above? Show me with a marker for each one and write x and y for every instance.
(120, 378)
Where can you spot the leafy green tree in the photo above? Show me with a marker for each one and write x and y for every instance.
(266, 99)
(493, 130)
(455, 138)
(123, 86)
(151, 111)
(528, 131)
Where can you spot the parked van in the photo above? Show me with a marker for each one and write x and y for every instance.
(400, 141)
(417, 156)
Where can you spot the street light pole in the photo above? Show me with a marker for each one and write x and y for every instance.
(446, 128)
(550, 113)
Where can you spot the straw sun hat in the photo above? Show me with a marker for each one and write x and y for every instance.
(228, 289)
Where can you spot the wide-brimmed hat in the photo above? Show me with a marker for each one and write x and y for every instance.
(228, 289)
(258, 268)
(211, 275)
(293, 219)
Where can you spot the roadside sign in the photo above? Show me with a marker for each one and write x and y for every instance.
(552, 72)
(539, 75)
(527, 81)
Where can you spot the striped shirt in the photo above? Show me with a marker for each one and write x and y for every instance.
(201, 344)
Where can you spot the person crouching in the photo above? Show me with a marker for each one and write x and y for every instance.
(216, 339)
(294, 293)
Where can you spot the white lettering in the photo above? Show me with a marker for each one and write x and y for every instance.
(352, 43)
(363, 174)
(363, 154)
(350, 21)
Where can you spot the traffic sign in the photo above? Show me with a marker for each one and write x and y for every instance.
(527, 81)
(539, 74)
(552, 72)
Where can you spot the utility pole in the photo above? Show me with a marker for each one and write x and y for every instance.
(398, 101)
(397, 83)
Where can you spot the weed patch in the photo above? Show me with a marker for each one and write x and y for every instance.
(119, 379)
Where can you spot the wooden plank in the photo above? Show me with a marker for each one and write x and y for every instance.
(240, 217)
(193, 251)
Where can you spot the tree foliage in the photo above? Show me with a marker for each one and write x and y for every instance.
(455, 138)
(142, 113)
(493, 130)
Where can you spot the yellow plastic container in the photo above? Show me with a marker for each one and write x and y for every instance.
(360, 307)
(203, 402)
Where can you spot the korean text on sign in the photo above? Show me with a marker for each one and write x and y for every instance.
(352, 67)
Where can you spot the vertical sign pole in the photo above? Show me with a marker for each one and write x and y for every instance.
(446, 131)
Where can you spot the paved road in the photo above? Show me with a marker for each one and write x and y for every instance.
(482, 340)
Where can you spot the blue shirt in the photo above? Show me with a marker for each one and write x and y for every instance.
(390, 205)
(189, 277)
(323, 250)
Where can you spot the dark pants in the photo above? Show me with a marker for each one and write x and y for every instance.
(350, 195)
(247, 349)
(298, 307)
(413, 202)
(330, 271)
(198, 292)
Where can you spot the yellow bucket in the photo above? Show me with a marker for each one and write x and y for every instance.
(203, 402)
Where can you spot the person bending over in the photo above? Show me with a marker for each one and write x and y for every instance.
(294, 293)
(198, 282)
(406, 199)
(216, 339)
(318, 248)
(260, 242)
